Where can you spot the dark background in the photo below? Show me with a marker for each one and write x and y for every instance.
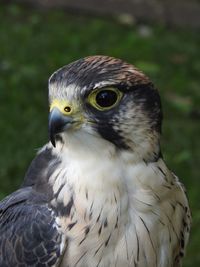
(36, 40)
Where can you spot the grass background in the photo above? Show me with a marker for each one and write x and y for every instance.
(34, 43)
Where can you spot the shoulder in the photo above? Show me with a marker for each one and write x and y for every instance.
(177, 211)
(41, 167)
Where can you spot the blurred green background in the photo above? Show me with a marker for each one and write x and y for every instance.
(34, 43)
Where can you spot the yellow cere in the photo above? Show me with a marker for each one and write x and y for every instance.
(64, 107)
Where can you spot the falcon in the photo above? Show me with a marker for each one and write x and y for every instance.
(99, 194)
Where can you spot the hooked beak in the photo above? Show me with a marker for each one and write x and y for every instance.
(58, 122)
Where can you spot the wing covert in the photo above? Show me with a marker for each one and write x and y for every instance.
(29, 235)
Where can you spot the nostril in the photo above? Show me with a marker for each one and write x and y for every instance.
(67, 109)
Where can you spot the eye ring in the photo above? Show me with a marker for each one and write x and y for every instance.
(105, 98)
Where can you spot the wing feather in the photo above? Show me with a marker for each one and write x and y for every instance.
(185, 225)
(28, 231)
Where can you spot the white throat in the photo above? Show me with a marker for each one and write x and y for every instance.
(94, 165)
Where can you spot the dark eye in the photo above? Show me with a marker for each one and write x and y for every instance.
(106, 98)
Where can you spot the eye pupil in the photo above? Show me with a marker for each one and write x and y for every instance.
(106, 98)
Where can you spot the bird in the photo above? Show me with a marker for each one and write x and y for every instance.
(98, 193)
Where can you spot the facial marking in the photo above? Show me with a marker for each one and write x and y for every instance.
(133, 122)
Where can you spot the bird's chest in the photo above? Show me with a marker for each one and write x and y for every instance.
(111, 234)
(110, 220)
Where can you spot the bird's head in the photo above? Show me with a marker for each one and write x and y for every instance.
(109, 99)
